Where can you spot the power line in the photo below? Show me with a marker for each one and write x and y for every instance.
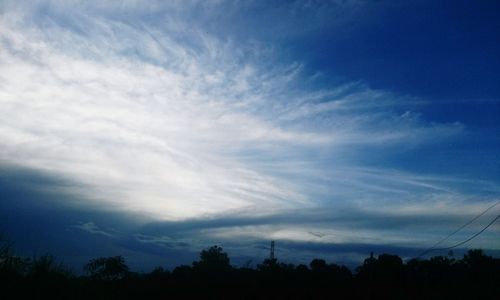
(433, 247)
(477, 233)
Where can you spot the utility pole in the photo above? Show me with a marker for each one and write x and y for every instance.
(271, 256)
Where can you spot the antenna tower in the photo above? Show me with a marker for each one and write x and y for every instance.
(271, 255)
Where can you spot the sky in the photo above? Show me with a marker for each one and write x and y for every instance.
(154, 129)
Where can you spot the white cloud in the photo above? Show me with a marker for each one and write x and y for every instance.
(90, 227)
(172, 122)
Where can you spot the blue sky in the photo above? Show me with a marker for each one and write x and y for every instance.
(153, 130)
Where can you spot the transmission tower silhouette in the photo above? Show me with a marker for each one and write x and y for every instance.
(271, 255)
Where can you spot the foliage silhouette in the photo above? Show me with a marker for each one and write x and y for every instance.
(107, 268)
(213, 260)
(385, 276)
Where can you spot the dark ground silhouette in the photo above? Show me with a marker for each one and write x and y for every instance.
(475, 276)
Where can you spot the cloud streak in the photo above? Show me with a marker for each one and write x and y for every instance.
(172, 122)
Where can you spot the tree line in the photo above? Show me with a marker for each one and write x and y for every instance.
(474, 276)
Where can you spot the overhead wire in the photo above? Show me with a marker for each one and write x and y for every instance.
(433, 247)
(472, 237)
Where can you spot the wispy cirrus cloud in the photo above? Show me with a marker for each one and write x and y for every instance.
(168, 120)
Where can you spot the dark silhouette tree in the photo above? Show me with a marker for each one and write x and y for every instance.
(269, 264)
(46, 266)
(10, 264)
(390, 265)
(213, 259)
(5, 254)
(477, 259)
(107, 268)
(318, 265)
(475, 276)
(5, 248)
